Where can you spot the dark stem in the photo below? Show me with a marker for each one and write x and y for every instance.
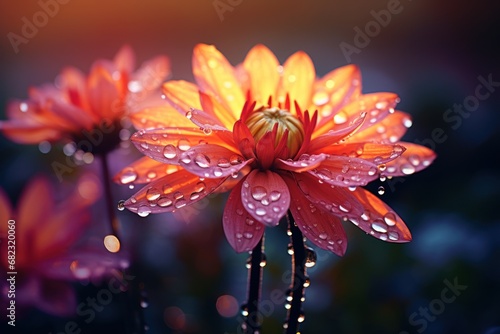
(253, 318)
(298, 277)
(110, 206)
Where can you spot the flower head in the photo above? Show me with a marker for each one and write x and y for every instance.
(79, 107)
(46, 233)
(280, 139)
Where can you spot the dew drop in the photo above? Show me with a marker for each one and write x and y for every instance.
(202, 160)
(224, 163)
(311, 258)
(258, 193)
(189, 114)
(379, 227)
(152, 194)
(407, 169)
(260, 212)
(320, 98)
(323, 236)
(390, 218)
(217, 172)
(340, 117)
(169, 151)
(381, 190)
(164, 202)
(393, 236)
(128, 176)
(183, 144)
(143, 211)
(372, 171)
(180, 203)
(121, 205)
(274, 196)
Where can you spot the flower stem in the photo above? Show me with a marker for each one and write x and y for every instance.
(299, 278)
(252, 321)
(110, 206)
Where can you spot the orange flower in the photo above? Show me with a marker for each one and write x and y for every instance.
(46, 231)
(76, 106)
(274, 154)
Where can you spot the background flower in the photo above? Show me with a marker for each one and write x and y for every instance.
(47, 234)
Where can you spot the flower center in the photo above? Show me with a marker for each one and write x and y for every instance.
(263, 120)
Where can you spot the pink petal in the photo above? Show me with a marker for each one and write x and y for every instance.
(414, 159)
(205, 121)
(125, 59)
(338, 200)
(340, 132)
(388, 130)
(346, 171)
(167, 144)
(144, 170)
(241, 230)
(304, 163)
(373, 152)
(212, 161)
(265, 196)
(323, 228)
(378, 219)
(265, 150)
(171, 192)
(376, 105)
(150, 75)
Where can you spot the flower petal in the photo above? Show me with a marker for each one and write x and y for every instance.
(337, 200)
(144, 170)
(212, 161)
(242, 232)
(298, 78)
(265, 149)
(378, 219)
(414, 159)
(172, 192)
(265, 196)
(388, 130)
(373, 152)
(167, 144)
(205, 121)
(215, 76)
(341, 132)
(304, 163)
(215, 108)
(103, 91)
(346, 171)
(322, 228)
(182, 95)
(262, 68)
(335, 90)
(159, 117)
(125, 59)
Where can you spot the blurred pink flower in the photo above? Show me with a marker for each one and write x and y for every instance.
(46, 232)
(79, 106)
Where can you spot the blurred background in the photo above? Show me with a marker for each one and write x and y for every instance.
(432, 53)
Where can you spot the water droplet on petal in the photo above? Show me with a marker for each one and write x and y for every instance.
(121, 205)
(183, 144)
(260, 212)
(393, 236)
(164, 202)
(320, 98)
(340, 117)
(128, 176)
(143, 211)
(258, 193)
(379, 227)
(202, 160)
(169, 151)
(407, 169)
(152, 194)
(390, 218)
